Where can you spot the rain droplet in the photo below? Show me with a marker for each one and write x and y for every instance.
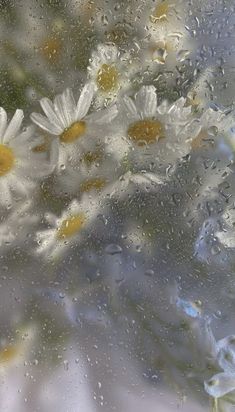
(66, 365)
(113, 249)
(182, 55)
(149, 272)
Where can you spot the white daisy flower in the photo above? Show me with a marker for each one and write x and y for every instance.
(111, 71)
(69, 230)
(96, 171)
(45, 46)
(165, 16)
(157, 136)
(20, 166)
(16, 356)
(167, 42)
(12, 355)
(76, 130)
(154, 135)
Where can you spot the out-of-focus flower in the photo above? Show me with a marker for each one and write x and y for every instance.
(111, 71)
(94, 172)
(223, 383)
(70, 229)
(166, 43)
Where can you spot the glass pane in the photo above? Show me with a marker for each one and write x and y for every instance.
(117, 231)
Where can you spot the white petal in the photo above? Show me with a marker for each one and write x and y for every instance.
(22, 187)
(14, 126)
(104, 116)
(54, 155)
(26, 135)
(47, 234)
(226, 360)
(51, 219)
(49, 111)
(3, 123)
(44, 123)
(131, 108)
(61, 111)
(146, 101)
(5, 192)
(70, 105)
(85, 100)
(220, 384)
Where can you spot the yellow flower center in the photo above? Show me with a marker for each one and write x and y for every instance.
(51, 49)
(71, 226)
(90, 184)
(160, 12)
(8, 353)
(146, 131)
(74, 132)
(43, 147)
(7, 159)
(107, 78)
(92, 157)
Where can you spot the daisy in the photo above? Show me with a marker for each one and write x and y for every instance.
(166, 41)
(158, 136)
(164, 17)
(12, 355)
(96, 170)
(76, 131)
(70, 229)
(20, 166)
(43, 40)
(111, 71)
(154, 135)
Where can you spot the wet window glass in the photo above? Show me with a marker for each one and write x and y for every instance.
(117, 205)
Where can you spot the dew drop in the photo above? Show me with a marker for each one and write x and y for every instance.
(113, 249)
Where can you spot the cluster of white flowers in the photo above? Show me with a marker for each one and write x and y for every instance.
(127, 151)
(86, 150)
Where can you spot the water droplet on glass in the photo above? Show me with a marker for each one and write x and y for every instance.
(113, 249)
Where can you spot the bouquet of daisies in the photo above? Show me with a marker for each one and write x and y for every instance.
(117, 200)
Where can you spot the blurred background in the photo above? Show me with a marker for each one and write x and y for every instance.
(127, 320)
